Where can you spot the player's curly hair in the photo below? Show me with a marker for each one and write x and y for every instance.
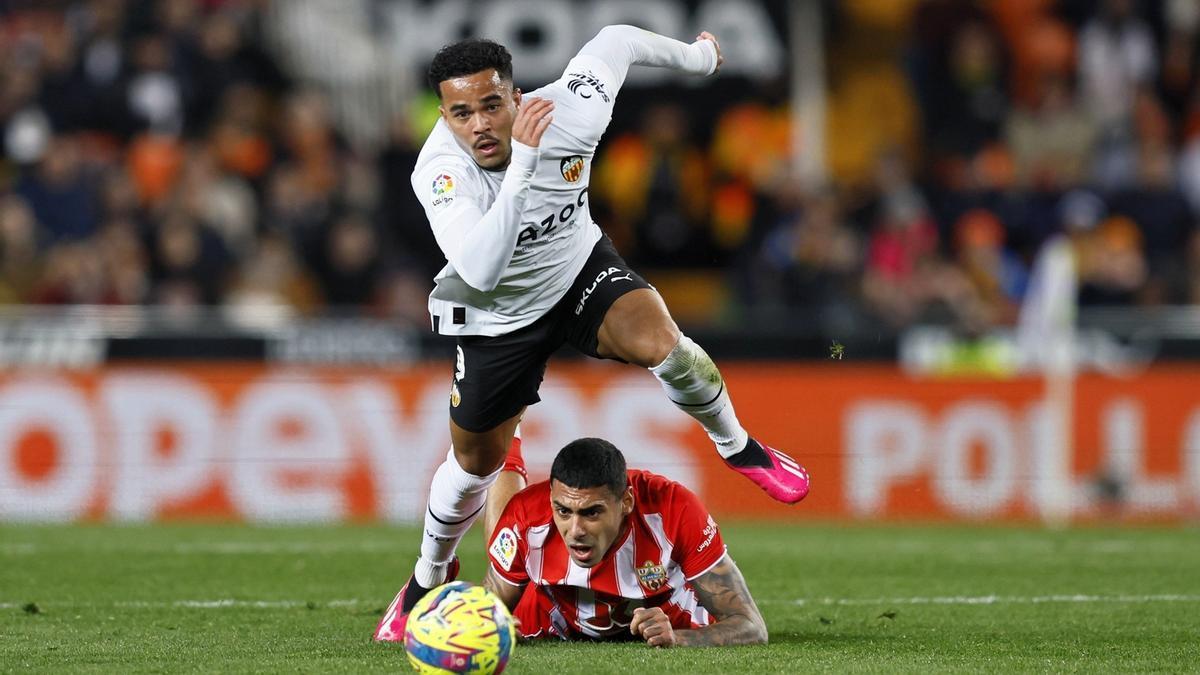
(467, 58)
(591, 462)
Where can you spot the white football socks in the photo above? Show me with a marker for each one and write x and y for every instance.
(695, 386)
(456, 498)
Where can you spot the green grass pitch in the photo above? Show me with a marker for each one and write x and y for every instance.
(837, 598)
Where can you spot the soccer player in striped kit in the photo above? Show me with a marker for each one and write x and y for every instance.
(604, 553)
(503, 178)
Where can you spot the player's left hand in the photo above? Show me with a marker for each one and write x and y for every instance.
(654, 627)
(705, 35)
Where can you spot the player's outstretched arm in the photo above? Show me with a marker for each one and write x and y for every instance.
(723, 592)
(508, 592)
(620, 47)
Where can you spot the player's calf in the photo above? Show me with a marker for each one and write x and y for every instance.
(694, 384)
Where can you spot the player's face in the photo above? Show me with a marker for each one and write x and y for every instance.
(480, 109)
(589, 519)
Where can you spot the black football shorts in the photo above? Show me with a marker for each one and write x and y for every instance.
(494, 377)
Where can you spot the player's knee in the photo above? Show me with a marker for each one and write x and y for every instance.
(480, 456)
(653, 346)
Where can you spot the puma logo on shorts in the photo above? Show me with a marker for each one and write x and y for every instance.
(612, 275)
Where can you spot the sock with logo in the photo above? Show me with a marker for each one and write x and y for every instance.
(695, 386)
(456, 498)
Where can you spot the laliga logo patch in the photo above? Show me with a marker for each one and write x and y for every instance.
(443, 190)
(443, 184)
(652, 576)
(571, 168)
(504, 548)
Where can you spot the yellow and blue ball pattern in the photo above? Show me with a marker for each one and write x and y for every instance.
(459, 628)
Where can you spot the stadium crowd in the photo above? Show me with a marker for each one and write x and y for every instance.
(155, 152)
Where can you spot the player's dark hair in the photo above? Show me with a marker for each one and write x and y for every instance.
(588, 463)
(467, 58)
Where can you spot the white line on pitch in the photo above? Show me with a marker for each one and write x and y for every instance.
(998, 600)
(933, 600)
(221, 548)
(236, 548)
(17, 549)
(206, 604)
(258, 604)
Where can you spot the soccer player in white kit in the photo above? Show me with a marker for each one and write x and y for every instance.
(503, 178)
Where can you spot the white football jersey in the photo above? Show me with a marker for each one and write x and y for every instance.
(555, 230)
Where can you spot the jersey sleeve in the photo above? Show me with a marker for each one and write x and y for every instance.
(697, 539)
(593, 78)
(619, 47)
(478, 243)
(508, 548)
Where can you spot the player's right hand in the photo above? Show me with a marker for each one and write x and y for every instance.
(532, 120)
(654, 626)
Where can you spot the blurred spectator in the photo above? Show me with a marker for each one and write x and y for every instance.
(123, 257)
(1112, 266)
(153, 162)
(155, 93)
(902, 250)
(998, 275)
(271, 287)
(1117, 57)
(905, 277)
(59, 193)
(239, 132)
(189, 262)
(1051, 141)
(349, 265)
(220, 201)
(1181, 54)
(1189, 161)
(810, 258)
(73, 274)
(1155, 204)
(19, 267)
(657, 185)
(1191, 286)
(402, 223)
(751, 156)
(966, 108)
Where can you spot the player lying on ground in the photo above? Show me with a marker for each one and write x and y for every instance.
(601, 552)
(503, 178)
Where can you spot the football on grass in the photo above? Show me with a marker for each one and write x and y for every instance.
(459, 628)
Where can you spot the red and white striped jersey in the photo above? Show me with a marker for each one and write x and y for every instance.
(669, 539)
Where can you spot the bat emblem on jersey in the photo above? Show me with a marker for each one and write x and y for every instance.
(571, 168)
(584, 83)
(652, 575)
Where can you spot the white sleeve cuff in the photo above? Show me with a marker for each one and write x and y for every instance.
(524, 159)
(709, 50)
(500, 575)
(724, 554)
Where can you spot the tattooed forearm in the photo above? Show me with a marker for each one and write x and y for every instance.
(722, 591)
(507, 592)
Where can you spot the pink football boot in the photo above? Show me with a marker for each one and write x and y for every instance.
(778, 475)
(391, 626)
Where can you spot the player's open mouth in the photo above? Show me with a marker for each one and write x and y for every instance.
(487, 147)
(580, 552)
